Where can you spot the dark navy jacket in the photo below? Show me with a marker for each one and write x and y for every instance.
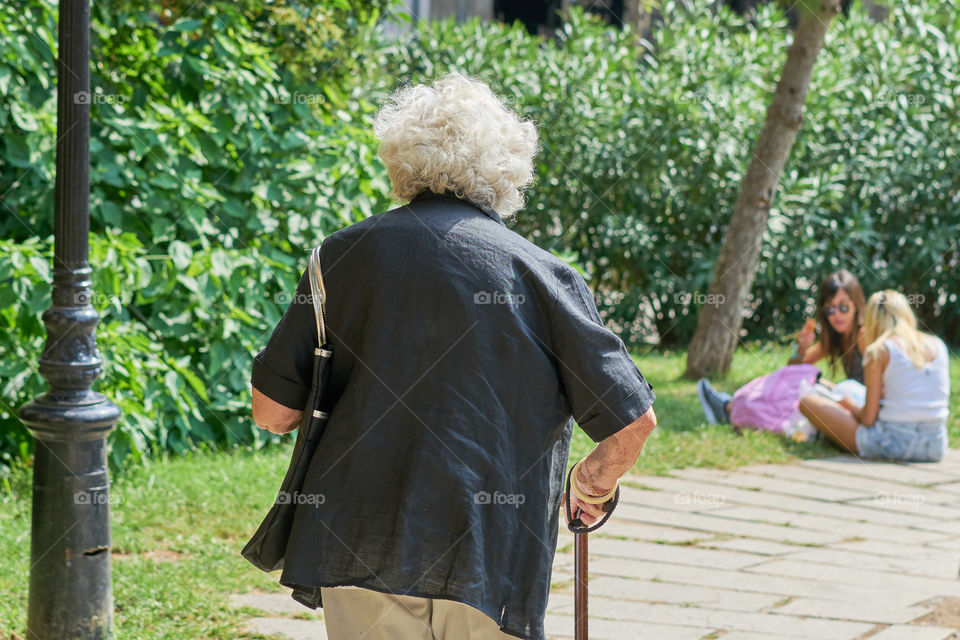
(462, 355)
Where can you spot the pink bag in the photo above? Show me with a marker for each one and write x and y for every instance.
(771, 402)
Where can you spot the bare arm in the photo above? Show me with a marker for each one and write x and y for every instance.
(873, 380)
(613, 457)
(273, 416)
(809, 356)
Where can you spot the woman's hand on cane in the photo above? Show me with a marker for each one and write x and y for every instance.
(600, 471)
(587, 512)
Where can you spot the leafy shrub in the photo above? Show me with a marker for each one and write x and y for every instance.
(645, 144)
(210, 181)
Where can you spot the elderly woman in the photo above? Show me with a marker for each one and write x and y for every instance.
(462, 354)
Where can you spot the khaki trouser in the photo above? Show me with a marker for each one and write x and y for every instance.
(352, 613)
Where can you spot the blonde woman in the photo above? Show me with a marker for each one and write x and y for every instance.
(462, 355)
(906, 372)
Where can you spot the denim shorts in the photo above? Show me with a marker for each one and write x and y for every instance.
(907, 441)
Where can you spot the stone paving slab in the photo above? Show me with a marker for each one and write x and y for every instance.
(820, 571)
(926, 551)
(270, 603)
(790, 487)
(287, 628)
(678, 554)
(944, 566)
(724, 484)
(717, 619)
(818, 476)
(907, 474)
(952, 487)
(832, 549)
(655, 533)
(753, 545)
(727, 526)
(950, 544)
(681, 594)
(872, 611)
(897, 526)
(903, 632)
(561, 626)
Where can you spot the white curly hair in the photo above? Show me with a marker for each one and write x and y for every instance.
(457, 135)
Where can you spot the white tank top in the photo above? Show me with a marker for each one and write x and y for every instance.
(913, 394)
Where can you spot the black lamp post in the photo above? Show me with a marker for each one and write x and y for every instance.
(71, 596)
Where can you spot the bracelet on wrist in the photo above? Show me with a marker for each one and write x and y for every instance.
(582, 495)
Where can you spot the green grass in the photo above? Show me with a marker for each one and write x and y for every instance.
(178, 527)
(179, 523)
(682, 437)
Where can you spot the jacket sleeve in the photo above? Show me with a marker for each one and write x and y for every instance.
(283, 370)
(605, 389)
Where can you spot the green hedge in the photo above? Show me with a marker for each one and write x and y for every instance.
(645, 145)
(219, 157)
(213, 171)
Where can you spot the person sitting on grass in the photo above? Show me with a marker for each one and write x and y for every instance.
(908, 386)
(840, 306)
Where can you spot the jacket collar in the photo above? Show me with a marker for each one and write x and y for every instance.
(426, 194)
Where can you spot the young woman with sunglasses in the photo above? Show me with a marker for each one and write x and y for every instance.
(840, 312)
(908, 390)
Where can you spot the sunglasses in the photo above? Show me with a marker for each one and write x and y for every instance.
(843, 308)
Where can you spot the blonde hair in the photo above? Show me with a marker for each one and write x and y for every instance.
(456, 135)
(889, 316)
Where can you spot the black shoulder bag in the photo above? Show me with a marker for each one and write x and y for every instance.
(267, 547)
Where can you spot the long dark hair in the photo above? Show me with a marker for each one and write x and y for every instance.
(840, 348)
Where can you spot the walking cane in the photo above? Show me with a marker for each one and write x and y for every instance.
(580, 584)
(580, 576)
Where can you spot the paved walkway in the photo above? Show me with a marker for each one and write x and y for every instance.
(831, 549)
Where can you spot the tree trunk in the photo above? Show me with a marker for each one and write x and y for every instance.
(635, 14)
(718, 325)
